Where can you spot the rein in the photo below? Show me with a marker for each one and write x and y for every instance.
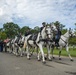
(63, 40)
(65, 37)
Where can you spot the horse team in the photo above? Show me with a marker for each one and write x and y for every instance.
(38, 41)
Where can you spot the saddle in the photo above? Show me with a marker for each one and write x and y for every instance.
(33, 37)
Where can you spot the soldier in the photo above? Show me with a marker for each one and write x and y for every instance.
(43, 25)
(57, 36)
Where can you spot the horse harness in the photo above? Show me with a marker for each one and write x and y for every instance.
(63, 40)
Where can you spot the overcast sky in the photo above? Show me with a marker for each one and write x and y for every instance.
(33, 12)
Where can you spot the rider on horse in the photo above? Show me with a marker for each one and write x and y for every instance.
(57, 36)
(43, 25)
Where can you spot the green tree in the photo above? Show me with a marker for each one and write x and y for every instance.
(3, 35)
(24, 29)
(57, 23)
(11, 29)
(64, 31)
(36, 29)
(1, 29)
(72, 41)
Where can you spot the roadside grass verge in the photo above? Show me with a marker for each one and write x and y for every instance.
(63, 52)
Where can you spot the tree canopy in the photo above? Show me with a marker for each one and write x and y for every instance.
(11, 29)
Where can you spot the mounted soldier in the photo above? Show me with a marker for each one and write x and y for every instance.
(43, 25)
(57, 36)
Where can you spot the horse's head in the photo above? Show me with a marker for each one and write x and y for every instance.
(70, 32)
(49, 32)
(21, 40)
(53, 27)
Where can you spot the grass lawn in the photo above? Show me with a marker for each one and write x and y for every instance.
(64, 53)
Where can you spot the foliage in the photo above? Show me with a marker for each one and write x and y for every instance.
(11, 29)
(64, 31)
(57, 23)
(3, 35)
(24, 29)
(72, 41)
(1, 29)
(37, 28)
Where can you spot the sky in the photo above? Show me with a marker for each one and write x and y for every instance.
(33, 12)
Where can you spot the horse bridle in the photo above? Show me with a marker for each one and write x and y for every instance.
(49, 33)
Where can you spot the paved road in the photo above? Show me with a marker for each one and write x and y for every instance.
(12, 65)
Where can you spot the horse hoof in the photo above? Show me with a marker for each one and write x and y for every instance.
(71, 60)
(17, 55)
(25, 54)
(50, 59)
(30, 55)
(28, 58)
(39, 60)
(44, 62)
(45, 58)
(53, 57)
(21, 55)
(59, 58)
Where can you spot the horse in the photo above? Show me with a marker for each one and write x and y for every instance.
(22, 45)
(50, 41)
(40, 39)
(63, 42)
(11, 45)
(16, 45)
